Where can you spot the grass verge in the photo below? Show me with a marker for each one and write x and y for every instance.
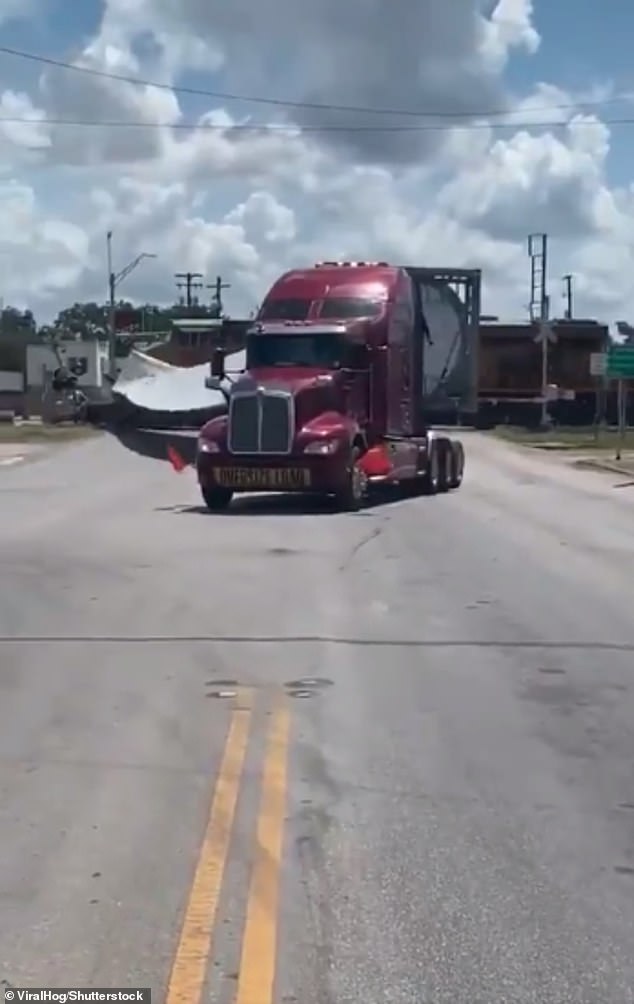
(572, 439)
(36, 433)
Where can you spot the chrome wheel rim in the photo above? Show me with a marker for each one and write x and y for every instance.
(359, 481)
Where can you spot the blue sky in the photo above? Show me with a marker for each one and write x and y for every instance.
(584, 40)
(581, 39)
(585, 44)
(58, 23)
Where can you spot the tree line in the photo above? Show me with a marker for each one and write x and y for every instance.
(88, 320)
(91, 319)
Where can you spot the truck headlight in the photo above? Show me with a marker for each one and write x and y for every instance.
(208, 446)
(323, 447)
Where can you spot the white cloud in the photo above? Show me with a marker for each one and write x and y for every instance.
(41, 254)
(539, 183)
(29, 134)
(509, 27)
(264, 217)
(245, 202)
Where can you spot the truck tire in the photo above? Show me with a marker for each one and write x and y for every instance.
(431, 478)
(351, 497)
(217, 499)
(446, 466)
(457, 455)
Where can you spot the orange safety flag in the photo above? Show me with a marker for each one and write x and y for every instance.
(176, 460)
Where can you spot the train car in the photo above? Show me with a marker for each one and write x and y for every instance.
(510, 372)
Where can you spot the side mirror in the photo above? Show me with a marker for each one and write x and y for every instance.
(218, 364)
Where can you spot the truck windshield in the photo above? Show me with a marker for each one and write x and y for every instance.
(285, 310)
(345, 308)
(322, 351)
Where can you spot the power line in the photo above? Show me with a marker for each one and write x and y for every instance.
(287, 103)
(266, 127)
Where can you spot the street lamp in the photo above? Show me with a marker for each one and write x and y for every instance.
(114, 279)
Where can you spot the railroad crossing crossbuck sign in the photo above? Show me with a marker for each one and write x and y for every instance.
(545, 333)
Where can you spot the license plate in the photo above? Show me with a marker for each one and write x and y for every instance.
(263, 478)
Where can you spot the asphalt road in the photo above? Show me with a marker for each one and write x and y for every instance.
(417, 786)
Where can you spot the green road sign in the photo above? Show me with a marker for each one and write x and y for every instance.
(620, 362)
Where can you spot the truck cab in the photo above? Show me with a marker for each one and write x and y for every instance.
(328, 399)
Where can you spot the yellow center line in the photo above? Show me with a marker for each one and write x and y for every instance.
(192, 955)
(257, 967)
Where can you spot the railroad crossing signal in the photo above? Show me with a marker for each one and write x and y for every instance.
(545, 334)
(620, 362)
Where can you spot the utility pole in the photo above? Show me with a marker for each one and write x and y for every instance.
(188, 284)
(540, 305)
(114, 278)
(567, 279)
(216, 299)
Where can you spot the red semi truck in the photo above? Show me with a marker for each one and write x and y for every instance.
(333, 396)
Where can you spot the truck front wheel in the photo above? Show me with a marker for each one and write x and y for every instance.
(216, 499)
(351, 497)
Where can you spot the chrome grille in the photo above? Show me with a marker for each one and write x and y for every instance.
(261, 423)
(244, 424)
(275, 421)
